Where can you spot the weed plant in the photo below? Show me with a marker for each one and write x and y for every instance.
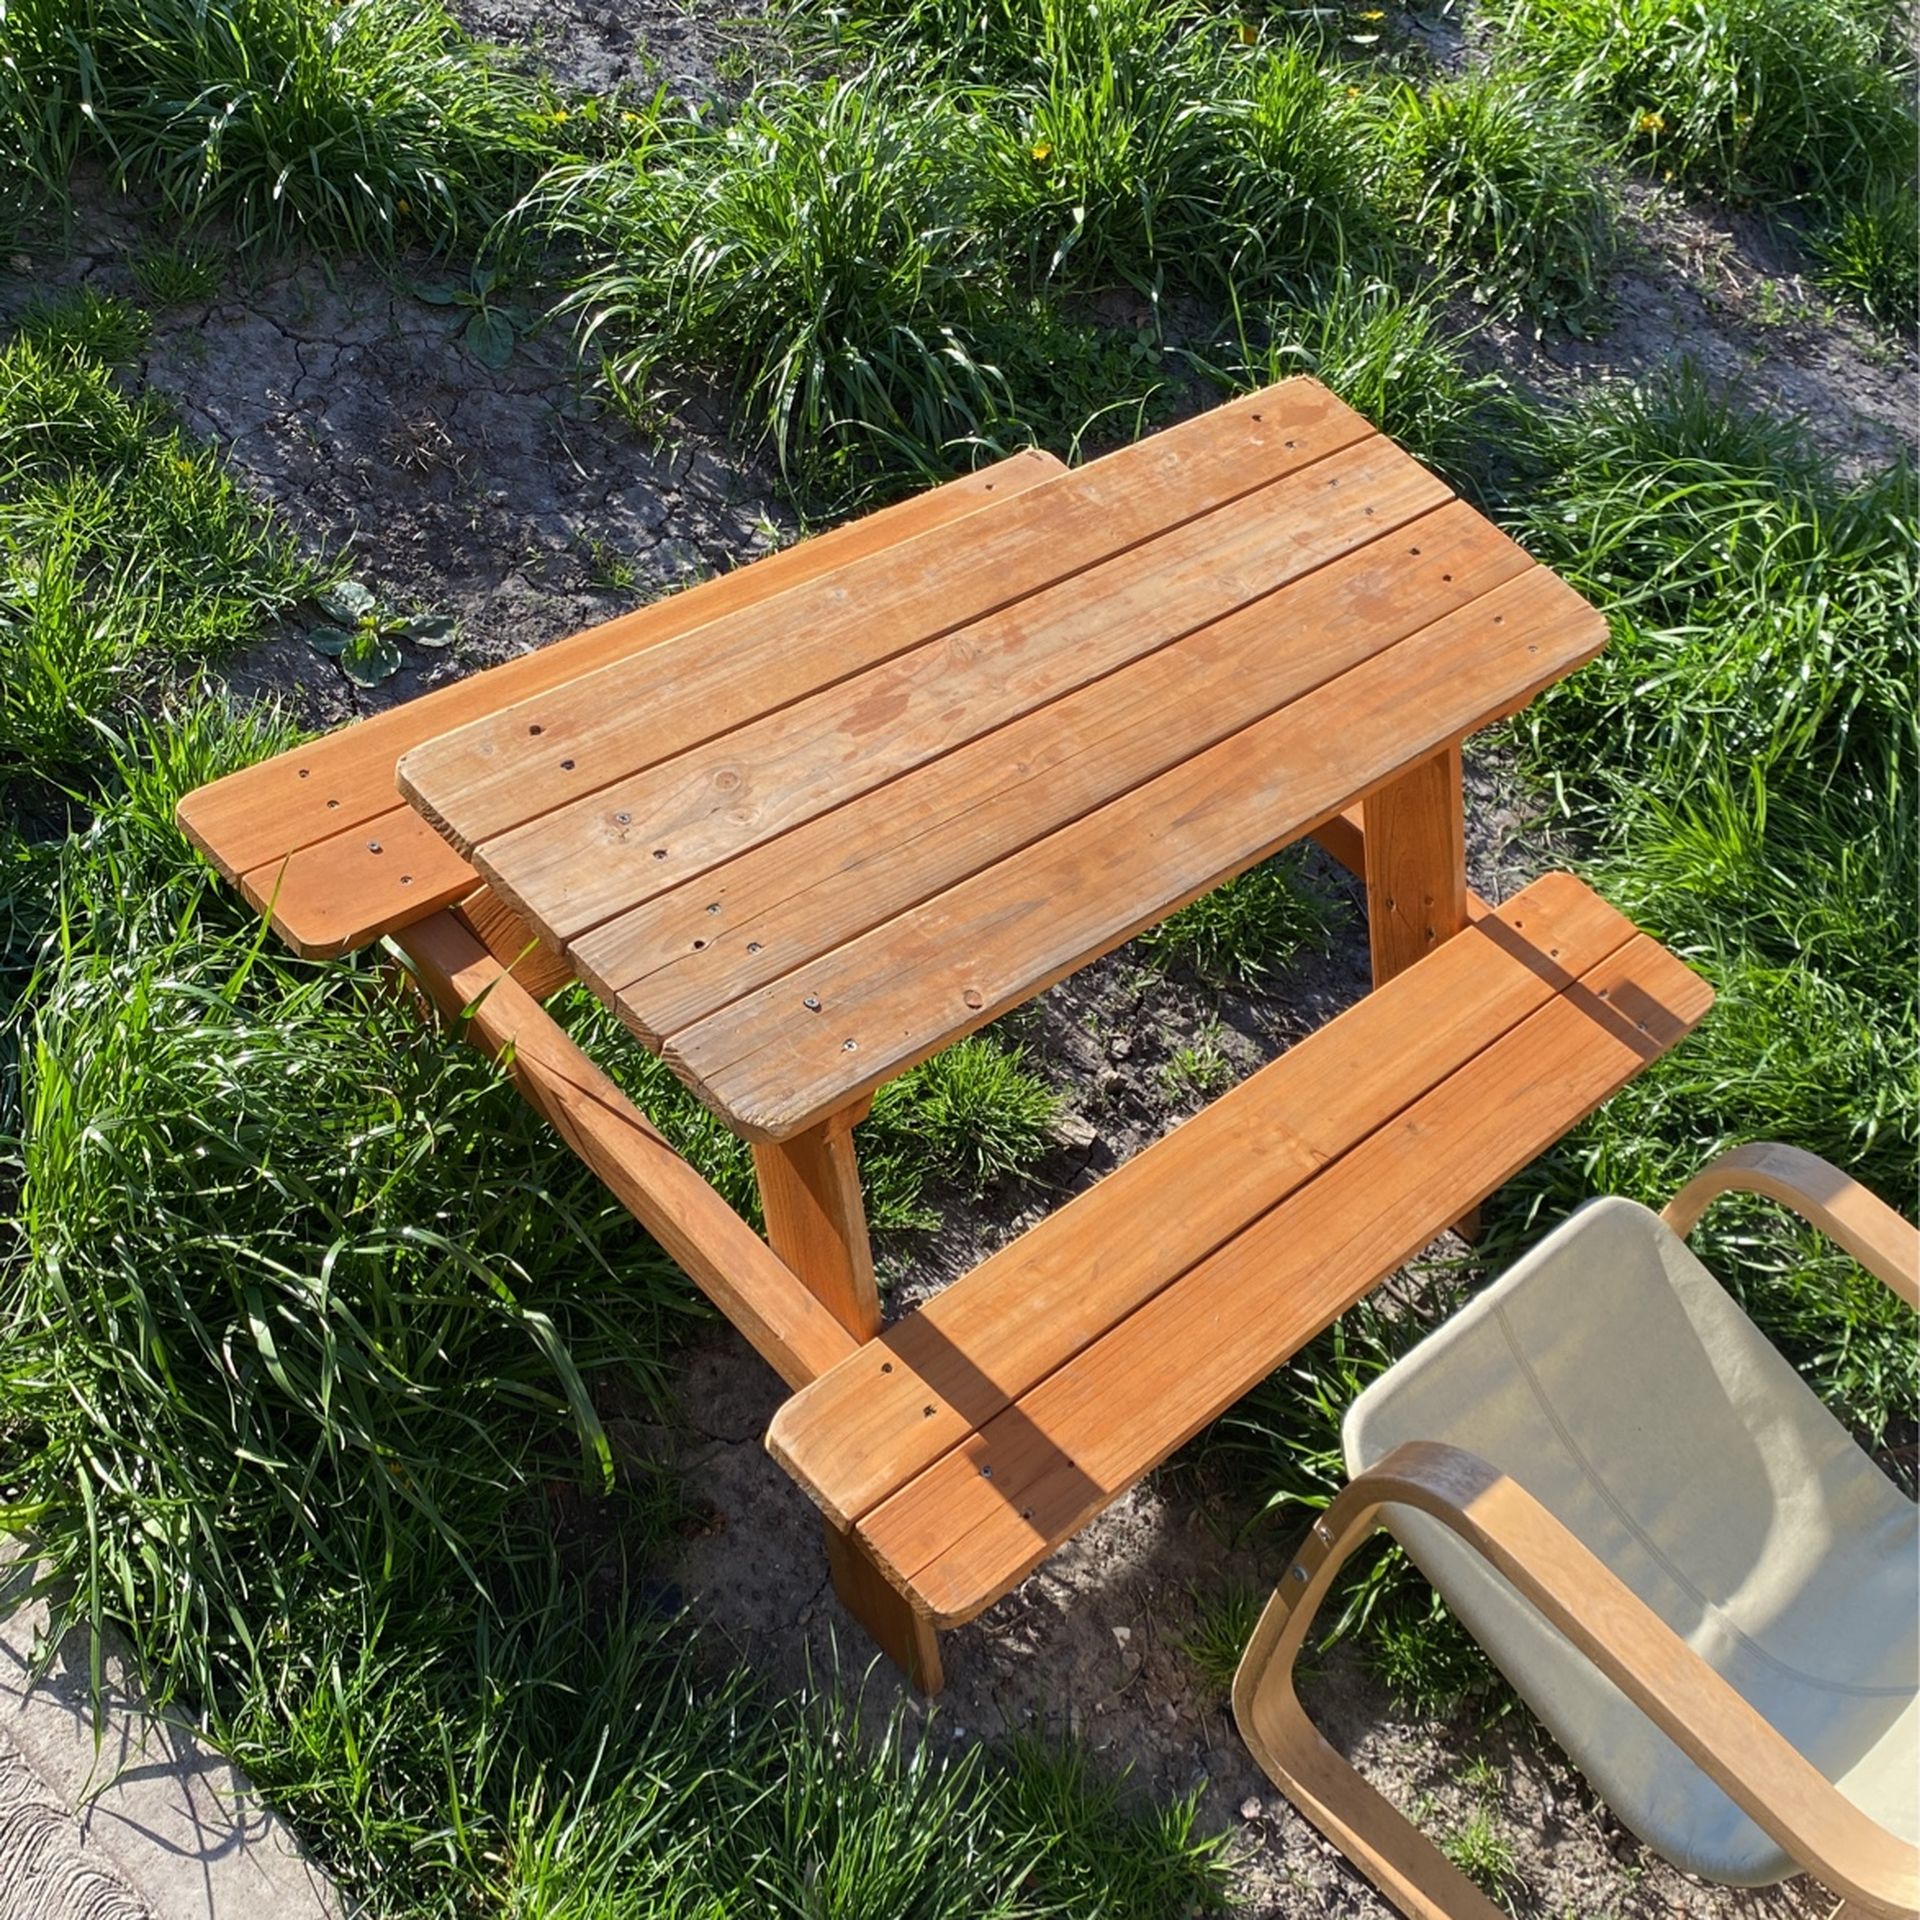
(1268, 916)
(363, 125)
(820, 251)
(1742, 762)
(1870, 249)
(1737, 772)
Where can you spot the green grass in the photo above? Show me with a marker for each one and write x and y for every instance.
(1752, 97)
(1507, 189)
(1870, 249)
(1223, 1622)
(309, 1325)
(1396, 356)
(123, 547)
(363, 125)
(312, 1333)
(1741, 764)
(1737, 772)
(1268, 916)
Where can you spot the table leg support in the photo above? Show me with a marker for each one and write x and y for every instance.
(1415, 855)
(1416, 864)
(906, 1637)
(817, 1220)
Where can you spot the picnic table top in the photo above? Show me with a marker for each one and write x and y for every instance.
(811, 841)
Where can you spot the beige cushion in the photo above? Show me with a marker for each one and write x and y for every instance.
(1612, 1377)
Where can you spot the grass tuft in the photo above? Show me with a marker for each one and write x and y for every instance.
(1505, 187)
(122, 545)
(1766, 97)
(1265, 918)
(363, 125)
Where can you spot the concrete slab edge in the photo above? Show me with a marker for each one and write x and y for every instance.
(151, 1803)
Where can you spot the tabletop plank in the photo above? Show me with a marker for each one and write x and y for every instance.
(774, 1061)
(252, 820)
(678, 958)
(482, 779)
(581, 864)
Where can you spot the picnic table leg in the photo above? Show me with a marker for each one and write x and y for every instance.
(907, 1638)
(1416, 872)
(1416, 864)
(817, 1221)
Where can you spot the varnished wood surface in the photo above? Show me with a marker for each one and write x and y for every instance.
(320, 837)
(1033, 1461)
(819, 838)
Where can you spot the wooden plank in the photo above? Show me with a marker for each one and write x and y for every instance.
(817, 1220)
(717, 1250)
(968, 954)
(1416, 863)
(709, 942)
(634, 839)
(481, 779)
(259, 815)
(986, 1514)
(528, 958)
(888, 1412)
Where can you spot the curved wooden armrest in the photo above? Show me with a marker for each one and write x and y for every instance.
(1766, 1777)
(1836, 1203)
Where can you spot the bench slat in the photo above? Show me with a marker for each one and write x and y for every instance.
(481, 780)
(972, 952)
(863, 1431)
(988, 1512)
(674, 960)
(301, 821)
(691, 812)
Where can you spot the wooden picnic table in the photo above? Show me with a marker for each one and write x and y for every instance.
(806, 825)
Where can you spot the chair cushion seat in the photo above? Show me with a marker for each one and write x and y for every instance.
(1610, 1375)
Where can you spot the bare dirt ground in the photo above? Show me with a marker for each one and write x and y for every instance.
(513, 500)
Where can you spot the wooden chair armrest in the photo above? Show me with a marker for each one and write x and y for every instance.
(1834, 1202)
(1768, 1778)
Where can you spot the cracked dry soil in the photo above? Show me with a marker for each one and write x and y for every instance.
(514, 500)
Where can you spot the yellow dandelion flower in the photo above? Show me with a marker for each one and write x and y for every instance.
(1042, 150)
(1651, 122)
(1373, 14)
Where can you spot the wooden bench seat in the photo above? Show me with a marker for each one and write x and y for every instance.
(981, 1432)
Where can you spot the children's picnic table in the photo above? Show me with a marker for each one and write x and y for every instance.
(807, 824)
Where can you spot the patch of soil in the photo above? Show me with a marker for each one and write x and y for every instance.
(1731, 292)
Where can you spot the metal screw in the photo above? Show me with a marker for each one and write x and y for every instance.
(659, 853)
(623, 819)
(886, 1366)
(373, 846)
(986, 1473)
(713, 906)
(1323, 1532)
(849, 1046)
(811, 1003)
(1297, 1572)
(753, 946)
